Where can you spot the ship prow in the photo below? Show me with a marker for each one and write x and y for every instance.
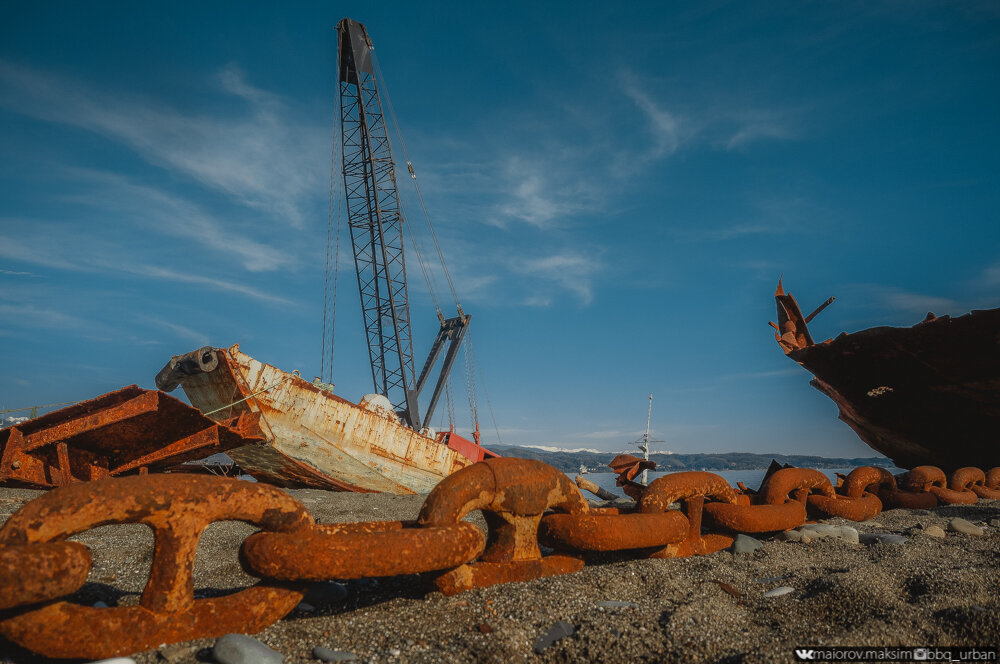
(922, 395)
(310, 436)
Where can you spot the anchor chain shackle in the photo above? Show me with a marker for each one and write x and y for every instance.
(794, 484)
(177, 508)
(513, 495)
(691, 488)
(866, 479)
(932, 479)
(972, 480)
(854, 499)
(750, 514)
(913, 490)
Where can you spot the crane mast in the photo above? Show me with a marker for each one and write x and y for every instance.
(375, 221)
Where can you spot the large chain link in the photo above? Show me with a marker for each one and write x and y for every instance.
(524, 502)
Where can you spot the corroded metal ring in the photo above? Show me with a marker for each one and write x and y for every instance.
(866, 478)
(861, 508)
(40, 572)
(381, 548)
(757, 518)
(614, 532)
(177, 508)
(663, 491)
(778, 487)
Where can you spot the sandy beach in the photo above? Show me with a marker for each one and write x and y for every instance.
(926, 591)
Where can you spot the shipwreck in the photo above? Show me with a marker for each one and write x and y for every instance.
(922, 395)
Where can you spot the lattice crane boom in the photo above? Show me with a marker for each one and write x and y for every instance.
(376, 221)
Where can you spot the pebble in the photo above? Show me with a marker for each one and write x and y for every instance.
(814, 531)
(327, 655)
(176, 652)
(871, 539)
(616, 604)
(995, 523)
(100, 605)
(774, 579)
(305, 607)
(243, 649)
(779, 591)
(746, 544)
(558, 631)
(320, 594)
(963, 526)
(934, 531)
(116, 660)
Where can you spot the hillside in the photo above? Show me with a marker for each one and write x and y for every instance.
(597, 462)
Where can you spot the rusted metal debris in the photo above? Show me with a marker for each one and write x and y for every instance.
(524, 502)
(128, 431)
(927, 394)
(628, 467)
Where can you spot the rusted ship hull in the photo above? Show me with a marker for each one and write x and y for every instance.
(312, 437)
(922, 395)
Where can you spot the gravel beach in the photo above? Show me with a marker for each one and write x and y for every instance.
(925, 591)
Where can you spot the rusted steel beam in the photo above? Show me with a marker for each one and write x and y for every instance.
(146, 402)
(120, 432)
(197, 441)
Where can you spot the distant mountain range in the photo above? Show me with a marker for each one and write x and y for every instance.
(569, 461)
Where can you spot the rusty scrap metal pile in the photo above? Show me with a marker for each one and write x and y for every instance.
(524, 503)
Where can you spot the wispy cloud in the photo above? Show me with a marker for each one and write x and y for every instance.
(203, 280)
(14, 273)
(258, 156)
(571, 271)
(157, 211)
(180, 331)
(663, 125)
(29, 315)
(81, 253)
(918, 303)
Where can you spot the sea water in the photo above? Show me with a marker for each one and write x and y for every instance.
(750, 478)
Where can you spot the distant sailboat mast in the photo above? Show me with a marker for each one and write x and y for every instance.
(644, 442)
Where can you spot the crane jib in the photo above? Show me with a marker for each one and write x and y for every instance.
(375, 221)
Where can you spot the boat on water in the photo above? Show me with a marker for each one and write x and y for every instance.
(310, 437)
(922, 395)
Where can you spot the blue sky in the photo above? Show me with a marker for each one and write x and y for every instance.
(617, 190)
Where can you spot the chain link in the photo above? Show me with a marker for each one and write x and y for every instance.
(524, 502)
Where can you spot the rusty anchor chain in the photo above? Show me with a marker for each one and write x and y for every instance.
(177, 508)
(513, 495)
(523, 502)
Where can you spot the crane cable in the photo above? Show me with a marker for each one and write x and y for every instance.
(330, 304)
(482, 380)
(414, 238)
